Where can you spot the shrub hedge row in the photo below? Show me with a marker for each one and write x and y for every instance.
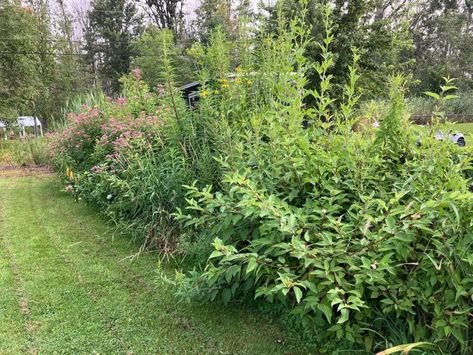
(365, 237)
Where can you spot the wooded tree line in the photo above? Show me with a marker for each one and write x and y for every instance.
(48, 53)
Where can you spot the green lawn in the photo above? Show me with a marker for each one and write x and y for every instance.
(68, 287)
(465, 128)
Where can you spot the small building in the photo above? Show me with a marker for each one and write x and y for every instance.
(29, 124)
(190, 92)
(3, 129)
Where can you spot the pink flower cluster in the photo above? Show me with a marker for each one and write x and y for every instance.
(121, 101)
(96, 169)
(98, 137)
(120, 132)
(136, 73)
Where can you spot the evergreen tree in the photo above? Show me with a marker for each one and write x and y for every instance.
(112, 25)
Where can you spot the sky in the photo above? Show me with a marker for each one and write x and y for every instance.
(189, 5)
(81, 6)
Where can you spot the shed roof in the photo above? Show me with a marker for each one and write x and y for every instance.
(190, 86)
(28, 121)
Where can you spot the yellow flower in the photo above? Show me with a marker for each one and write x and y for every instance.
(238, 80)
(69, 173)
(238, 69)
(204, 94)
(225, 83)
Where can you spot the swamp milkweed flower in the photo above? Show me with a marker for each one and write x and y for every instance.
(136, 73)
(121, 101)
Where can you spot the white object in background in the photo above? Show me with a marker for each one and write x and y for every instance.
(457, 138)
(3, 127)
(29, 121)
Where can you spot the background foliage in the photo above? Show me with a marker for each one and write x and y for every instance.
(49, 53)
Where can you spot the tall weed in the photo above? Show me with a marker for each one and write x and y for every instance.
(24, 152)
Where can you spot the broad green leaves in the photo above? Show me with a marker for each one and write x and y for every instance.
(345, 230)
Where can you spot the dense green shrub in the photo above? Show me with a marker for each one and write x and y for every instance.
(365, 237)
(360, 235)
(132, 156)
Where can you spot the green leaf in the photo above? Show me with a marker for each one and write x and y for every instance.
(231, 271)
(344, 316)
(446, 88)
(458, 335)
(298, 294)
(455, 209)
(226, 295)
(432, 94)
(326, 310)
(252, 264)
(450, 97)
(368, 341)
(215, 254)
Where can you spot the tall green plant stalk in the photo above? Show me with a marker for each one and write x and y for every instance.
(350, 93)
(321, 95)
(441, 99)
(168, 73)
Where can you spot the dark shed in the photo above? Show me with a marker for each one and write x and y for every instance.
(190, 92)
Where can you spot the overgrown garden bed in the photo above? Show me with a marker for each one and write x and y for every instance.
(365, 238)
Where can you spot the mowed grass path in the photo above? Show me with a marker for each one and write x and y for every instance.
(67, 286)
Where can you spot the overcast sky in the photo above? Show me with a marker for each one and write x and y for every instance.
(81, 6)
(189, 5)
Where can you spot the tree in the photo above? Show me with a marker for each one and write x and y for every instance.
(443, 39)
(19, 75)
(377, 28)
(167, 14)
(212, 14)
(148, 56)
(39, 62)
(112, 25)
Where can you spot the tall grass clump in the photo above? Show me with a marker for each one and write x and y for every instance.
(363, 238)
(27, 152)
(462, 105)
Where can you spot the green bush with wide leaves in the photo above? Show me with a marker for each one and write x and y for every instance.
(364, 237)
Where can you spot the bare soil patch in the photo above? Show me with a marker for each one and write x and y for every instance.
(7, 171)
